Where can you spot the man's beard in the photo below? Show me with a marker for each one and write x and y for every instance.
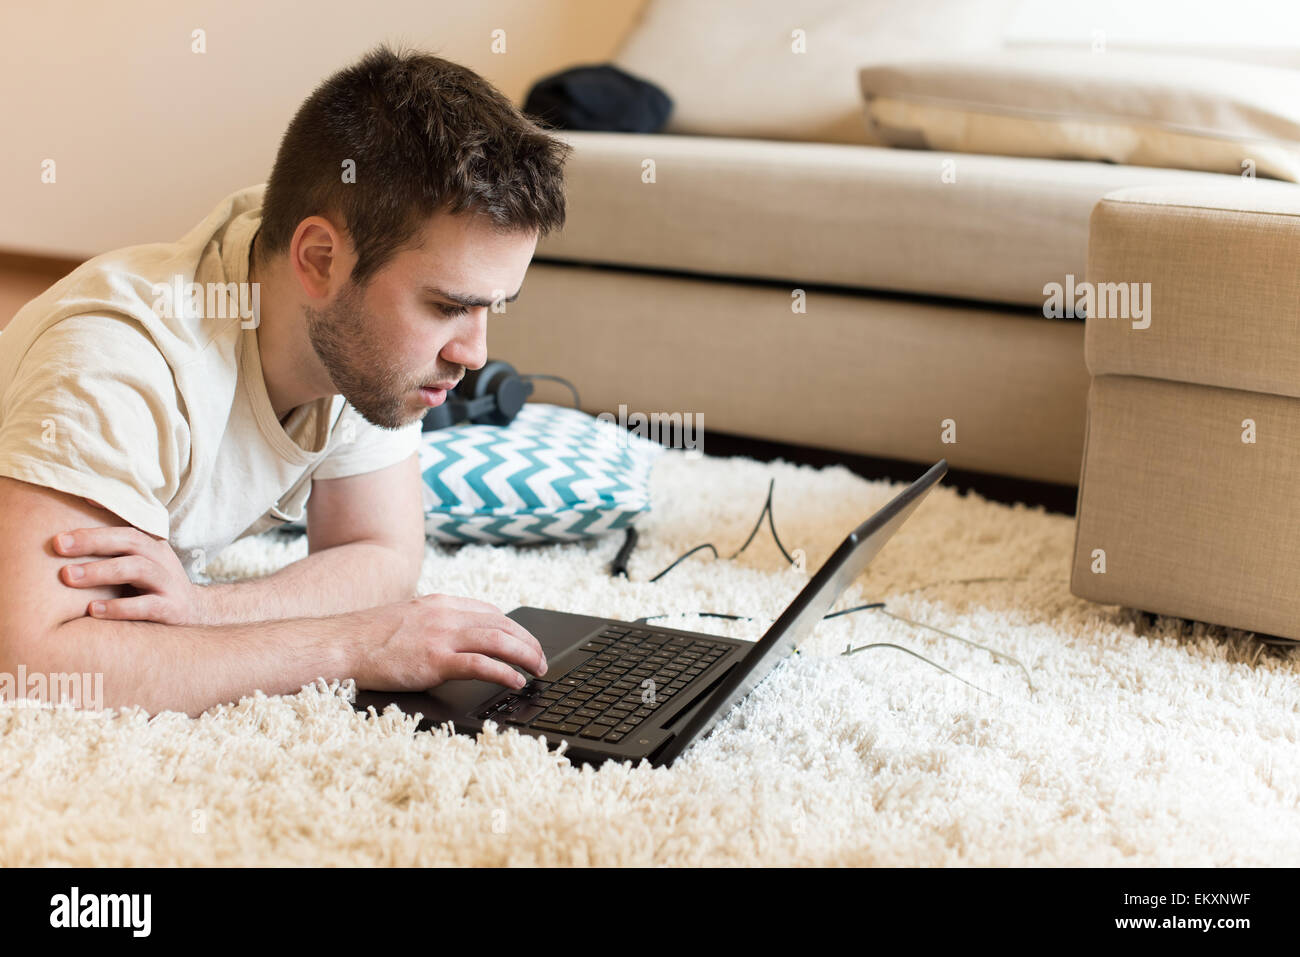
(355, 364)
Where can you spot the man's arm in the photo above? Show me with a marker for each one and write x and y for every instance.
(365, 540)
(44, 630)
(407, 645)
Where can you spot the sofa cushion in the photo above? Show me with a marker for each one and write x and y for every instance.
(871, 375)
(732, 69)
(1147, 110)
(979, 227)
(1219, 269)
(1177, 515)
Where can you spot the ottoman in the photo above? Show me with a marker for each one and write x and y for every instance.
(1189, 493)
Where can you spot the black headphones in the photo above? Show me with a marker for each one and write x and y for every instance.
(492, 395)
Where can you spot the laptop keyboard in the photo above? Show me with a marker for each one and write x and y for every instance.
(631, 674)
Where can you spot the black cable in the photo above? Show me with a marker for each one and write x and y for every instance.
(687, 555)
(577, 403)
(889, 644)
(619, 565)
(849, 611)
(880, 606)
(771, 521)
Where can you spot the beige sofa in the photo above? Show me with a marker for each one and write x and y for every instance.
(1189, 502)
(923, 308)
(677, 283)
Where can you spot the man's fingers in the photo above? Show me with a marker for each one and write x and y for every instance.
(498, 644)
(498, 620)
(522, 635)
(137, 608)
(512, 627)
(482, 668)
(127, 570)
(102, 540)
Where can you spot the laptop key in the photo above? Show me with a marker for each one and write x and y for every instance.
(522, 716)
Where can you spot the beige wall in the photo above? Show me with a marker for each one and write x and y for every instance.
(147, 136)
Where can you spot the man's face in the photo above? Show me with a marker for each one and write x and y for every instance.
(405, 329)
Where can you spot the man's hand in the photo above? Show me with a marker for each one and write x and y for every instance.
(434, 638)
(143, 562)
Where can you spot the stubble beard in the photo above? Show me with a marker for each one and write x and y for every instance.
(356, 367)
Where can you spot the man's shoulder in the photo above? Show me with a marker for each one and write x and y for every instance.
(88, 341)
(135, 280)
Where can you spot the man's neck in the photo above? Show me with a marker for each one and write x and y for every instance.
(281, 342)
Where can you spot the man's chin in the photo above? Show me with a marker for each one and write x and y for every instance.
(394, 419)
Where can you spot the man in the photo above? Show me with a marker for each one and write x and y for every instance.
(163, 401)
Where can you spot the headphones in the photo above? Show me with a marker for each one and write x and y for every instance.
(492, 395)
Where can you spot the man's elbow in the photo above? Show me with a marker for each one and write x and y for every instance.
(409, 568)
(27, 658)
(410, 581)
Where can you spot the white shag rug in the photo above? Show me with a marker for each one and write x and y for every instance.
(1172, 745)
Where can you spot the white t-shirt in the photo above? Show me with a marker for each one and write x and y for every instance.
(157, 410)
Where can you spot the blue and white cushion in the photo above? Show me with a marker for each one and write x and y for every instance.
(553, 474)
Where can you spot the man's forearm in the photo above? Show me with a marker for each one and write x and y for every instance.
(190, 668)
(332, 581)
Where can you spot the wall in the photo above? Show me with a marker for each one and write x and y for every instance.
(147, 136)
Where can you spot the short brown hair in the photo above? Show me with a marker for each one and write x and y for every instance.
(425, 135)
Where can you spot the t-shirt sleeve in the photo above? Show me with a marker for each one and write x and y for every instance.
(93, 411)
(357, 446)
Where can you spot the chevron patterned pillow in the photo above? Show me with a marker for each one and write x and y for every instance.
(553, 474)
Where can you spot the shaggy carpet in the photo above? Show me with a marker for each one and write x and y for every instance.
(1117, 743)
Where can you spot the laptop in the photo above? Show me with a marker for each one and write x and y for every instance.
(624, 691)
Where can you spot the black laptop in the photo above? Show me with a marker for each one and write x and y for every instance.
(627, 691)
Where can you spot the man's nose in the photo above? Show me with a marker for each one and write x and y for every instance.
(469, 346)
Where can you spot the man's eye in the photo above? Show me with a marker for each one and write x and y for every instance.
(451, 312)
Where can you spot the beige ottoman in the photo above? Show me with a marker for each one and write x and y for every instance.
(1189, 496)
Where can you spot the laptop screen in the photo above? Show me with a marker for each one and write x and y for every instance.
(799, 619)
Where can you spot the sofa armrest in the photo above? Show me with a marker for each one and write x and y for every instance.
(1187, 499)
(1215, 274)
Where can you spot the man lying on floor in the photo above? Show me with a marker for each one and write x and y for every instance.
(142, 431)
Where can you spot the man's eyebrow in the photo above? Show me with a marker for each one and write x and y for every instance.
(462, 299)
